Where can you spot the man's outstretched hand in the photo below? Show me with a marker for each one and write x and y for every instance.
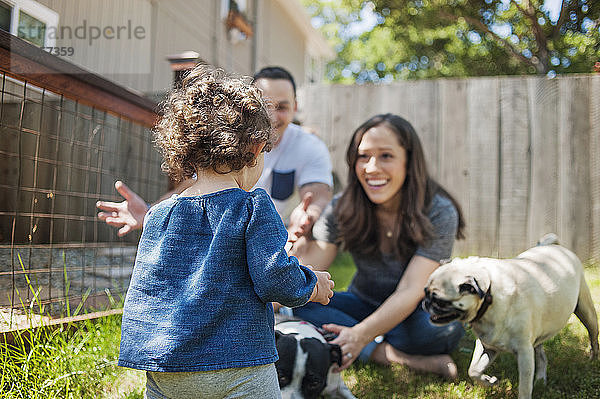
(302, 219)
(127, 215)
(314, 198)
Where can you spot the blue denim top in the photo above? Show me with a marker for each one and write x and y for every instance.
(206, 270)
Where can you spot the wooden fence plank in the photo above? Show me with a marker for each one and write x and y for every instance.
(514, 165)
(401, 105)
(595, 167)
(345, 121)
(423, 114)
(543, 204)
(391, 99)
(574, 190)
(370, 102)
(317, 100)
(484, 156)
(454, 147)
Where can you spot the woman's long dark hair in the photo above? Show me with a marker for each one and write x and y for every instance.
(359, 229)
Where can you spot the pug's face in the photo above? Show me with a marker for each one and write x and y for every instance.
(453, 292)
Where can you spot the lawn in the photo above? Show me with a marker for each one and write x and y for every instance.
(82, 364)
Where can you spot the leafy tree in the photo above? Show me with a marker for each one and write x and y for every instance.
(413, 39)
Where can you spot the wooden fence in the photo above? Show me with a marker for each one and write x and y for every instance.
(521, 154)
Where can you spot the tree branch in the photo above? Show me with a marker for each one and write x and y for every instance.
(475, 22)
(561, 19)
(540, 36)
(521, 9)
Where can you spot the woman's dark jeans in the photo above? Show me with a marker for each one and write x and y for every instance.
(415, 335)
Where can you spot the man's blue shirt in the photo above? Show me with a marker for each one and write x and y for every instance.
(206, 270)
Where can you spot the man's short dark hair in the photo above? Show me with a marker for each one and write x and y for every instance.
(275, 72)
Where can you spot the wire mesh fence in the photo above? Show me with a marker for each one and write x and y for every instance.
(58, 156)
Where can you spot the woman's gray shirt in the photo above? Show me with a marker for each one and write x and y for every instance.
(377, 277)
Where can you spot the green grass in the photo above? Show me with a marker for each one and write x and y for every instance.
(68, 363)
(342, 269)
(65, 361)
(62, 363)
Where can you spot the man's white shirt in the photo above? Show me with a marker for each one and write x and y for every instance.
(299, 158)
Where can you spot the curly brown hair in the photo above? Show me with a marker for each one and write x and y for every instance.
(212, 121)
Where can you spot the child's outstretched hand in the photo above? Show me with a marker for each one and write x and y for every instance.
(323, 289)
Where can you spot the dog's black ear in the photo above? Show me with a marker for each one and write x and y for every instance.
(471, 286)
(277, 335)
(335, 353)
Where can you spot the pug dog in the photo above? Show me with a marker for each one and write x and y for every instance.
(513, 305)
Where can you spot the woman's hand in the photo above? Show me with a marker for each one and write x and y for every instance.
(350, 340)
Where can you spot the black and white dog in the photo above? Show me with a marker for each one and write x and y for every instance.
(305, 363)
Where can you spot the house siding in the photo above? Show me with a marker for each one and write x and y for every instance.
(174, 26)
(280, 41)
(117, 59)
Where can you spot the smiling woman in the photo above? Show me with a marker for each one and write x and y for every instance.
(398, 224)
(381, 167)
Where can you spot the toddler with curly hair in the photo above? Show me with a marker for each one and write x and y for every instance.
(198, 315)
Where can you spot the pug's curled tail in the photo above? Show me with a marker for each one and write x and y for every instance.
(548, 239)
